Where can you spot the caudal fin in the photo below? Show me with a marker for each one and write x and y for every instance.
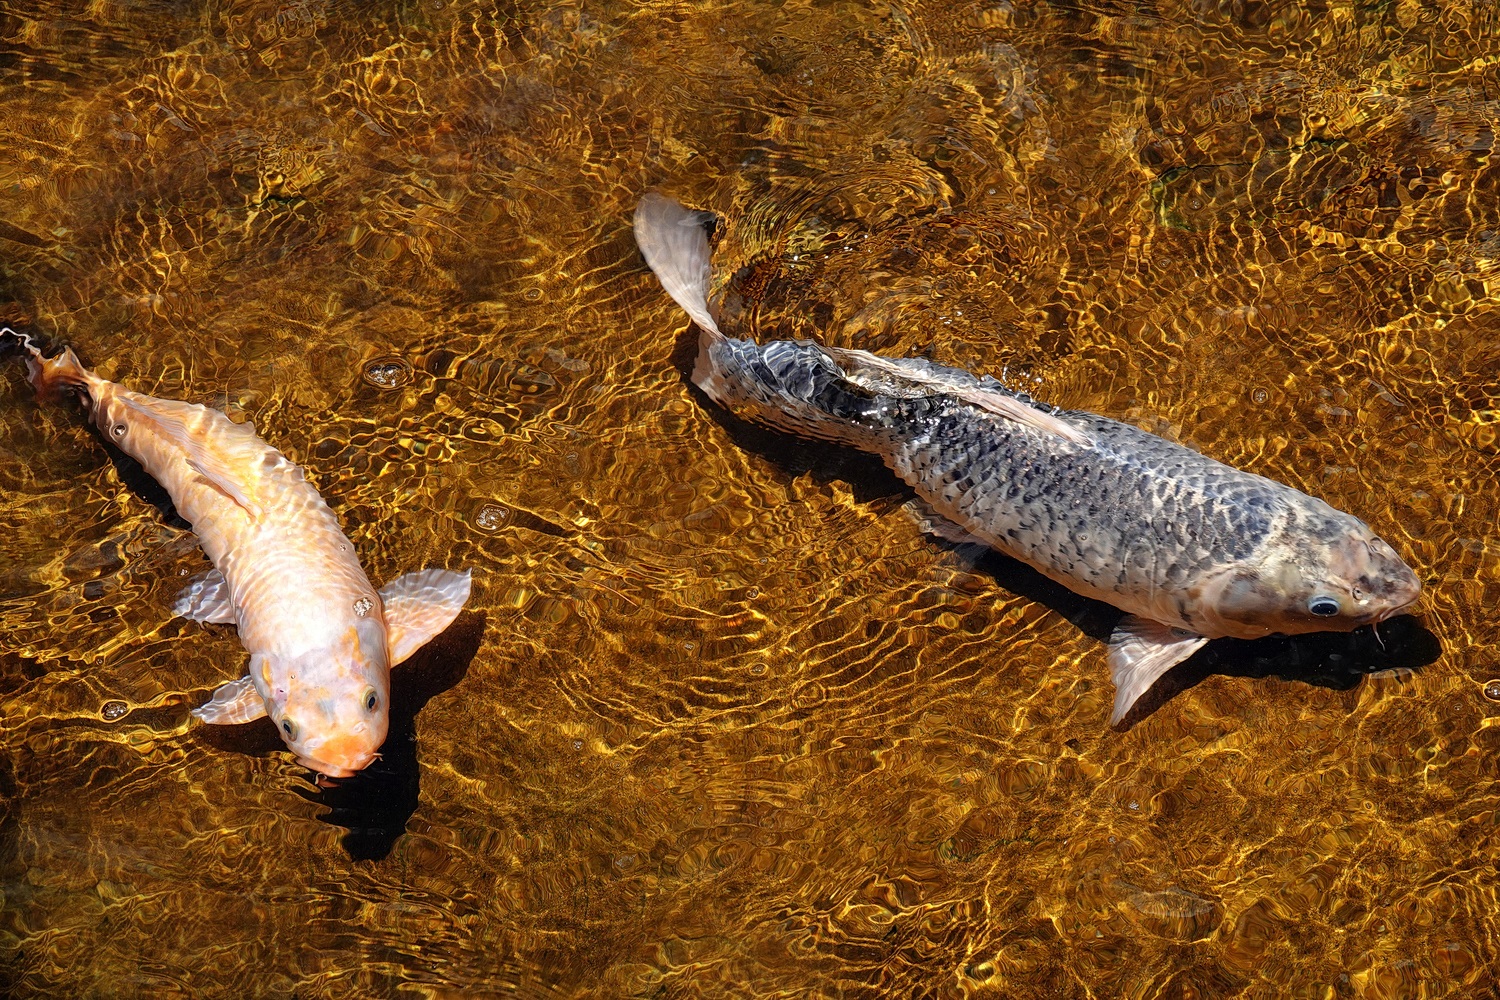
(675, 245)
(50, 377)
(793, 386)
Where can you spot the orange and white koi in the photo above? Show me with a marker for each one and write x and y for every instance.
(321, 639)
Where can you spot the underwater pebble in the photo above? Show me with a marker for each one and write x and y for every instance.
(1492, 690)
(388, 373)
(1174, 913)
(1452, 959)
(563, 361)
(113, 710)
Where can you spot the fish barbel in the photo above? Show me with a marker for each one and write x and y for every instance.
(321, 639)
(1191, 549)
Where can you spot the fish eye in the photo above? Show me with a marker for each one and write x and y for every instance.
(1323, 606)
(371, 700)
(290, 728)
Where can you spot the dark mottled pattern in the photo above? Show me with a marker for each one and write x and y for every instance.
(1130, 518)
(758, 383)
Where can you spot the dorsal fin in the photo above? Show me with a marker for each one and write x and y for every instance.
(199, 455)
(998, 403)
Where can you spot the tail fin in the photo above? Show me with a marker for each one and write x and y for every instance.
(793, 386)
(50, 377)
(675, 245)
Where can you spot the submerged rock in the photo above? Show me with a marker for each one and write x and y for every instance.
(1173, 913)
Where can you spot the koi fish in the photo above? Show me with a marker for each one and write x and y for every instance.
(1189, 548)
(321, 639)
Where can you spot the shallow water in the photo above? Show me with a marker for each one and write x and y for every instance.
(720, 721)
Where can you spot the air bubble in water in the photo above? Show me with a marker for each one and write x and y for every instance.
(388, 373)
(492, 517)
(113, 710)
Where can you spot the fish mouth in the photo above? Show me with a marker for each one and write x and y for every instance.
(1403, 609)
(1405, 596)
(331, 770)
(342, 753)
(1401, 604)
(1389, 583)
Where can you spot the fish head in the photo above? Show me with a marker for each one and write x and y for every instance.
(1334, 578)
(331, 705)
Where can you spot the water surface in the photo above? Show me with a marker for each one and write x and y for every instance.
(721, 721)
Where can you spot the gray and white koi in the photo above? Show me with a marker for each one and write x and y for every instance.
(1191, 549)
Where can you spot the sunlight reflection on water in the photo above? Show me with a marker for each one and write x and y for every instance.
(721, 719)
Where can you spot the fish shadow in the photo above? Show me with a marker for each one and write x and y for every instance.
(135, 479)
(1334, 660)
(375, 804)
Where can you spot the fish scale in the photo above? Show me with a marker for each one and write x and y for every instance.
(1095, 518)
(1189, 548)
(1134, 494)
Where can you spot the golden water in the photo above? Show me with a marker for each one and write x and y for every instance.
(720, 721)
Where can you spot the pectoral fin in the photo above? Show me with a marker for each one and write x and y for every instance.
(206, 599)
(968, 546)
(420, 605)
(1140, 651)
(232, 703)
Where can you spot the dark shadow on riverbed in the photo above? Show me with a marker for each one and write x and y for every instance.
(375, 804)
(1334, 660)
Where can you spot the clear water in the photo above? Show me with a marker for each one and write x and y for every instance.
(720, 721)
